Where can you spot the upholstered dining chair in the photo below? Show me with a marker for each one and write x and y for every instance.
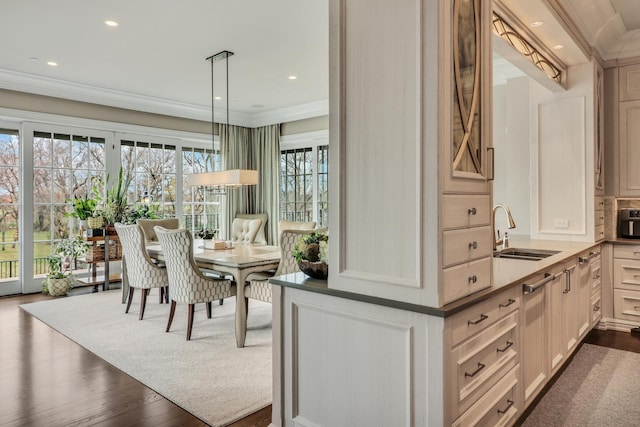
(142, 272)
(187, 284)
(148, 224)
(258, 286)
(245, 230)
(295, 225)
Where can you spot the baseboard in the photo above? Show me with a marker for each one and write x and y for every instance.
(608, 324)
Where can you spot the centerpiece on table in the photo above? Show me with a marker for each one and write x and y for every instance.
(209, 241)
(312, 255)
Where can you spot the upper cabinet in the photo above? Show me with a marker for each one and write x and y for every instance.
(599, 129)
(622, 129)
(409, 118)
(467, 154)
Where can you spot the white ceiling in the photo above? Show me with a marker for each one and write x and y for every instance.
(155, 59)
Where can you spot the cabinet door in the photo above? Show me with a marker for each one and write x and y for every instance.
(534, 339)
(570, 309)
(599, 130)
(466, 154)
(585, 281)
(629, 148)
(555, 312)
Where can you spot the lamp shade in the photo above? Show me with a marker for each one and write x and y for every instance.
(226, 178)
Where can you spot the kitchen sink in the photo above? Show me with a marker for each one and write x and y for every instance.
(524, 254)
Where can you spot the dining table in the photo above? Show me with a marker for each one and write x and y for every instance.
(238, 261)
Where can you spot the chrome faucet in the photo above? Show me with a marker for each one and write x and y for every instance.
(497, 241)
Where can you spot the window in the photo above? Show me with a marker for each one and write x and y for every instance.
(9, 203)
(150, 175)
(304, 189)
(201, 208)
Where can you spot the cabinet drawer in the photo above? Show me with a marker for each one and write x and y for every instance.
(599, 204)
(460, 246)
(599, 232)
(626, 274)
(626, 305)
(465, 211)
(596, 309)
(480, 316)
(465, 279)
(599, 218)
(481, 361)
(626, 251)
(501, 406)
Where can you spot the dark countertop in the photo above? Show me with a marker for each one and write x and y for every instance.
(506, 273)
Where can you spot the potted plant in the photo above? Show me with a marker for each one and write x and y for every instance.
(83, 208)
(312, 254)
(208, 237)
(116, 204)
(59, 280)
(141, 212)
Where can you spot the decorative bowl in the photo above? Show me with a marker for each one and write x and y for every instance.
(317, 270)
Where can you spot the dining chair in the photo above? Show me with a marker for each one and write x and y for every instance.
(261, 238)
(257, 286)
(142, 272)
(295, 225)
(187, 284)
(148, 224)
(245, 230)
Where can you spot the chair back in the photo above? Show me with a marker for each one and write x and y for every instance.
(148, 224)
(288, 240)
(261, 238)
(245, 230)
(142, 273)
(184, 274)
(295, 225)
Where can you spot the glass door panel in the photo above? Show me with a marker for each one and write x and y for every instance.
(9, 211)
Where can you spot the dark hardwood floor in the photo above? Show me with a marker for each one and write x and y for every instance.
(48, 380)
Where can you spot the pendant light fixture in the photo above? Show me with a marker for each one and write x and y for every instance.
(225, 178)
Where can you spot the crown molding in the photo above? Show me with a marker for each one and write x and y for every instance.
(47, 86)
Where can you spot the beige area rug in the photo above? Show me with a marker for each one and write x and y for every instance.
(599, 388)
(208, 376)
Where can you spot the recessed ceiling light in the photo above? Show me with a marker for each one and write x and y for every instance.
(217, 97)
(537, 23)
(33, 58)
(52, 63)
(558, 46)
(292, 77)
(111, 23)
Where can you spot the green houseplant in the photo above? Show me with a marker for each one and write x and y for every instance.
(58, 280)
(83, 208)
(311, 253)
(116, 205)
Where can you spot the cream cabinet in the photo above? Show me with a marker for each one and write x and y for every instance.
(626, 285)
(629, 83)
(588, 263)
(410, 148)
(629, 148)
(482, 364)
(534, 332)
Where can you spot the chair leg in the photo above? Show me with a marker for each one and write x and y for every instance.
(172, 311)
(221, 301)
(161, 295)
(129, 299)
(208, 310)
(143, 302)
(166, 294)
(192, 309)
(246, 307)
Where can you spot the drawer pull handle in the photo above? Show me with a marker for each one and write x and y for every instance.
(472, 211)
(506, 347)
(473, 245)
(474, 373)
(596, 308)
(509, 405)
(482, 318)
(636, 307)
(507, 304)
(473, 279)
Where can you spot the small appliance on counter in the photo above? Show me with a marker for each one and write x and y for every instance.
(629, 223)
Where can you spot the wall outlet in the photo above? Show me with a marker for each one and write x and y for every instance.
(561, 223)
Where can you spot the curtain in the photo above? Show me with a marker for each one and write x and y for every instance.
(259, 148)
(266, 147)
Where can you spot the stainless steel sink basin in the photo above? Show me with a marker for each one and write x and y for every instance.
(524, 254)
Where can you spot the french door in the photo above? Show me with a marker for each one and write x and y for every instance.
(63, 163)
(9, 209)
